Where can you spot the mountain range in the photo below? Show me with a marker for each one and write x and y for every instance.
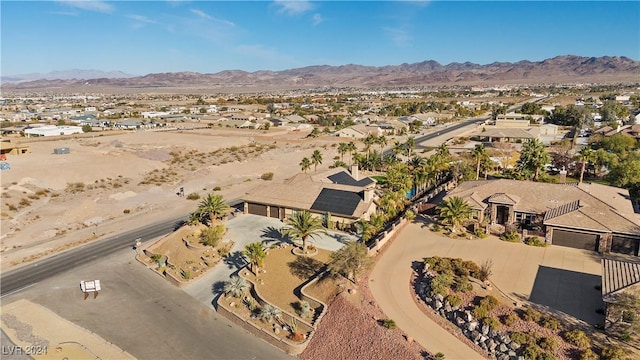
(560, 69)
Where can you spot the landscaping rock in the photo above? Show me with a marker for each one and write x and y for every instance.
(439, 297)
(492, 333)
(447, 307)
(514, 345)
(438, 304)
(503, 348)
(468, 316)
(459, 321)
(483, 338)
(485, 329)
(503, 357)
(512, 354)
(491, 345)
(505, 339)
(475, 336)
(472, 325)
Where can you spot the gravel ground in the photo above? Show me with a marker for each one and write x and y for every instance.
(350, 330)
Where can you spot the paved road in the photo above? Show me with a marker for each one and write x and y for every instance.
(14, 280)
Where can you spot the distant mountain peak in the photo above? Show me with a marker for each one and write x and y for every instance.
(73, 74)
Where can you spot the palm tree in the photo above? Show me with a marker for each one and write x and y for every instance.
(454, 211)
(410, 144)
(351, 147)
(305, 164)
(398, 147)
(532, 158)
(382, 141)
(585, 155)
(255, 253)
(211, 208)
(343, 148)
(302, 225)
(270, 312)
(479, 153)
(236, 286)
(368, 141)
(316, 159)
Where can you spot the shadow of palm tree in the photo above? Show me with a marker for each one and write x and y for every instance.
(217, 289)
(341, 238)
(271, 235)
(305, 267)
(236, 260)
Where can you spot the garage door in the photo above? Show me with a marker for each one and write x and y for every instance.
(257, 209)
(575, 240)
(274, 212)
(624, 245)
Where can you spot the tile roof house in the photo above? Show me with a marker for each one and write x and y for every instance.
(342, 195)
(587, 216)
(620, 276)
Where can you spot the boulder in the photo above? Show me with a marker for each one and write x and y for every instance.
(459, 321)
(503, 348)
(505, 339)
(503, 357)
(483, 338)
(447, 307)
(491, 345)
(468, 316)
(475, 336)
(439, 297)
(492, 333)
(485, 329)
(472, 325)
(514, 345)
(512, 354)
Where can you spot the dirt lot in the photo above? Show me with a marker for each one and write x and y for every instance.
(111, 181)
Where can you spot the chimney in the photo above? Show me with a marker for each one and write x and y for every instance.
(354, 172)
(367, 195)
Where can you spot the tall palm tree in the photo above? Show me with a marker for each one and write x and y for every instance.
(398, 147)
(382, 141)
(368, 141)
(236, 286)
(585, 155)
(255, 253)
(479, 153)
(351, 146)
(316, 159)
(305, 164)
(303, 225)
(343, 148)
(532, 158)
(211, 208)
(410, 144)
(454, 211)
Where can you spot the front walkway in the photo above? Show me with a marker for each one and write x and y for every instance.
(559, 278)
(243, 230)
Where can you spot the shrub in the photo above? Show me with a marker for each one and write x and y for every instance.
(389, 323)
(510, 236)
(535, 241)
(613, 353)
(304, 309)
(532, 352)
(441, 284)
(577, 338)
(480, 233)
(267, 176)
(587, 354)
(193, 196)
(491, 322)
(472, 267)
(25, 202)
(212, 235)
(550, 323)
(462, 284)
(490, 302)
(523, 338)
(217, 188)
(485, 270)
(186, 274)
(480, 312)
(439, 356)
(436, 228)
(510, 319)
(548, 344)
(454, 300)
(531, 314)
(126, 211)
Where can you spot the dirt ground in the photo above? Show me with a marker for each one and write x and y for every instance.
(112, 181)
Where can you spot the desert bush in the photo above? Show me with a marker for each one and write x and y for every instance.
(550, 323)
(24, 202)
(491, 322)
(304, 309)
(454, 300)
(225, 249)
(435, 228)
(441, 284)
(472, 267)
(217, 188)
(462, 284)
(75, 187)
(480, 233)
(212, 236)
(535, 241)
(510, 319)
(126, 211)
(531, 314)
(524, 338)
(193, 196)
(389, 323)
(267, 176)
(613, 353)
(510, 236)
(439, 356)
(548, 344)
(490, 302)
(480, 312)
(485, 270)
(578, 338)
(186, 274)
(587, 354)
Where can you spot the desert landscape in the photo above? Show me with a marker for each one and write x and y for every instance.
(51, 201)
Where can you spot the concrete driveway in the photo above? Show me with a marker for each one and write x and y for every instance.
(559, 279)
(244, 230)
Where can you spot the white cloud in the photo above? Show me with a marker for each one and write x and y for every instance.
(290, 7)
(200, 13)
(317, 19)
(400, 37)
(98, 6)
(142, 19)
(65, 13)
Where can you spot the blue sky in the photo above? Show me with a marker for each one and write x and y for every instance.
(209, 36)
